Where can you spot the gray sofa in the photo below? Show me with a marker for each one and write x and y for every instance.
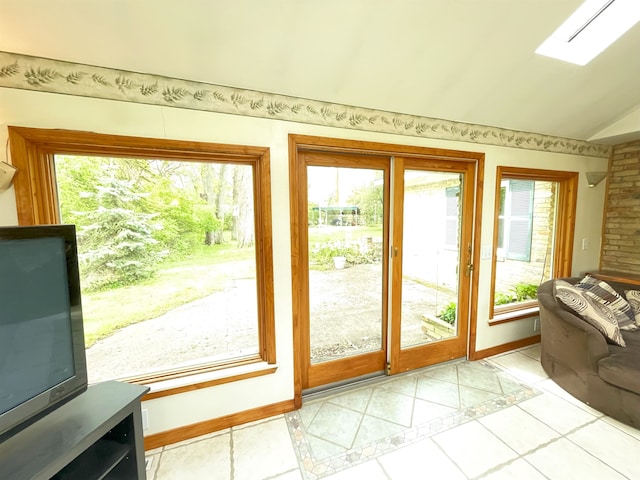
(579, 359)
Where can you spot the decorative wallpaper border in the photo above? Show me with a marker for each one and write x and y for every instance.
(54, 76)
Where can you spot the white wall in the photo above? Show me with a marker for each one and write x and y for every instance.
(43, 110)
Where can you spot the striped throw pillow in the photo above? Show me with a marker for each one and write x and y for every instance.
(606, 295)
(633, 297)
(591, 310)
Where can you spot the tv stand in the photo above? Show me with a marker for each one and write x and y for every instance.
(96, 435)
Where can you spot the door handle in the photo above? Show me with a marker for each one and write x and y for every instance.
(469, 264)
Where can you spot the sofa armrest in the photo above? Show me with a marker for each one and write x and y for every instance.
(568, 338)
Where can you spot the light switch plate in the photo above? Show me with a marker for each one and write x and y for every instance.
(6, 175)
(585, 243)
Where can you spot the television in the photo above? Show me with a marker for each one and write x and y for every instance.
(42, 352)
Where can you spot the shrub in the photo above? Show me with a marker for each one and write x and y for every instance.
(521, 292)
(448, 314)
(526, 291)
(322, 254)
(503, 299)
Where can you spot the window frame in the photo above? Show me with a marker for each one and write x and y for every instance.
(32, 153)
(564, 234)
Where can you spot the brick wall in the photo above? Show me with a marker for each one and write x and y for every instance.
(621, 232)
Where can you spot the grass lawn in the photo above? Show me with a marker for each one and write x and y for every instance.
(324, 233)
(178, 281)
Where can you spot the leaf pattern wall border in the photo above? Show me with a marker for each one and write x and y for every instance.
(54, 76)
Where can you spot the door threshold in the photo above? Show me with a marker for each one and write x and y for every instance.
(369, 379)
(342, 385)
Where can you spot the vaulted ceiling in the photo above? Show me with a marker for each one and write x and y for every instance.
(463, 60)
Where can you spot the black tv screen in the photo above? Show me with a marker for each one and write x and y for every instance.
(42, 358)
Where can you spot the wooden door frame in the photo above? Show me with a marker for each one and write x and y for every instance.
(325, 144)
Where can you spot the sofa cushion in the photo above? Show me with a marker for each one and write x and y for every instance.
(587, 306)
(633, 297)
(632, 340)
(622, 369)
(606, 295)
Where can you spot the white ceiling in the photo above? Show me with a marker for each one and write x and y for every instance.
(464, 60)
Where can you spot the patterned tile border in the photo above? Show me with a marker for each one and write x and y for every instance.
(314, 469)
(55, 76)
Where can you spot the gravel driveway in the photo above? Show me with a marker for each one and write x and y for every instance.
(345, 318)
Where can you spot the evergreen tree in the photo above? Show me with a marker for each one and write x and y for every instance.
(117, 239)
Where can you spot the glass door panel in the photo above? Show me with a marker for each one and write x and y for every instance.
(430, 256)
(431, 261)
(345, 259)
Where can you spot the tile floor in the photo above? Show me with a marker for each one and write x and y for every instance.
(502, 418)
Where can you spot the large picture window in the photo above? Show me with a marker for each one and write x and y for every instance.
(174, 242)
(533, 237)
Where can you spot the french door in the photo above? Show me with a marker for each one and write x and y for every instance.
(384, 249)
(431, 261)
(345, 269)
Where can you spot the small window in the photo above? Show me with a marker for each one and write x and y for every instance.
(531, 243)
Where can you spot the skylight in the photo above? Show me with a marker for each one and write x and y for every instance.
(594, 26)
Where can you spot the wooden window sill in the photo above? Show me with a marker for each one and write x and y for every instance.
(190, 383)
(514, 315)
